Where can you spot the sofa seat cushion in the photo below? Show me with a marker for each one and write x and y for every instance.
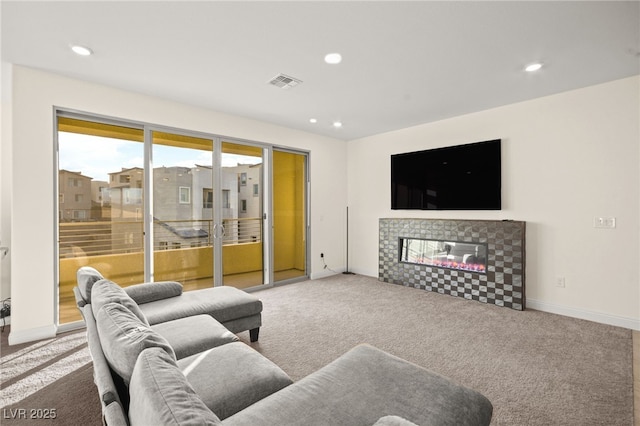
(161, 395)
(364, 385)
(105, 291)
(123, 336)
(222, 303)
(231, 377)
(191, 335)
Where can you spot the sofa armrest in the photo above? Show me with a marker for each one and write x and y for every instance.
(108, 390)
(150, 292)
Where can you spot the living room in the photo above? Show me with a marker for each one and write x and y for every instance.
(568, 158)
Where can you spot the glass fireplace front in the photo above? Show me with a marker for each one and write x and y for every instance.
(444, 254)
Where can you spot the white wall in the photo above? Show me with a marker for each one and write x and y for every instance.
(566, 159)
(32, 194)
(5, 178)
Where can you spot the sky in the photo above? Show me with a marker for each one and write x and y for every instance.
(96, 157)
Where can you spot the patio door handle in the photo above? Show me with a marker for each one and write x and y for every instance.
(218, 230)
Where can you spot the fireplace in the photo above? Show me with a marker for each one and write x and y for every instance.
(482, 260)
(444, 254)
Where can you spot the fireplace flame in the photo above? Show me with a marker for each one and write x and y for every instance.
(475, 267)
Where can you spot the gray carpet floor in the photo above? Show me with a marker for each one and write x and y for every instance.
(536, 368)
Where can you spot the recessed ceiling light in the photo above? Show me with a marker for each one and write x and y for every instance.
(533, 67)
(313, 120)
(81, 50)
(337, 124)
(333, 58)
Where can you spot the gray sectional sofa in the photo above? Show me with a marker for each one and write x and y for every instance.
(192, 370)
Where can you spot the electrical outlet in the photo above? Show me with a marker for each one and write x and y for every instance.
(560, 282)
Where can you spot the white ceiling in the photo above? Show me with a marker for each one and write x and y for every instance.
(404, 63)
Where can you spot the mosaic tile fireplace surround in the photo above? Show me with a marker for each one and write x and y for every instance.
(435, 255)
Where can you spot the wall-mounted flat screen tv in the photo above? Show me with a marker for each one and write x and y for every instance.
(462, 177)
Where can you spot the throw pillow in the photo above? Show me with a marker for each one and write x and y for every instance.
(150, 292)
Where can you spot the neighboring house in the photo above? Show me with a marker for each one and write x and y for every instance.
(125, 192)
(184, 199)
(100, 200)
(183, 205)
(74, 197)
(249, 189)
(178, 223)
(248, 202)
(202, 189)
(173, 194)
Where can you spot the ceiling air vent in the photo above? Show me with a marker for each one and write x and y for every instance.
(284, 81)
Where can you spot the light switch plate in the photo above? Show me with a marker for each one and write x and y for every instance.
(604, 222)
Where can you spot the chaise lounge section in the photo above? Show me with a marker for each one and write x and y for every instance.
(165, 301)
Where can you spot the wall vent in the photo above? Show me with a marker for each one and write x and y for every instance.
(284, 81)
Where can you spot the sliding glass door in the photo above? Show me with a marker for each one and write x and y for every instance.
(142, 203)
(242, 218)
(100, 205)
(289, 215)
(182, 224)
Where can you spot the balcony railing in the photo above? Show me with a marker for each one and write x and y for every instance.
(99, 238)
(118, 237)
(238, 231)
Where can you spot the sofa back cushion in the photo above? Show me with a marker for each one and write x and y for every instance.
(86, 278)
(161, 395)
(105, 291)
(123, 337)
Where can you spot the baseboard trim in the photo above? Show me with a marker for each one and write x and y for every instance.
(538, 305)
(322, 274)
(23, 336)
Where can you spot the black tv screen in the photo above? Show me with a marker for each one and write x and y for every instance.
(462, 177)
